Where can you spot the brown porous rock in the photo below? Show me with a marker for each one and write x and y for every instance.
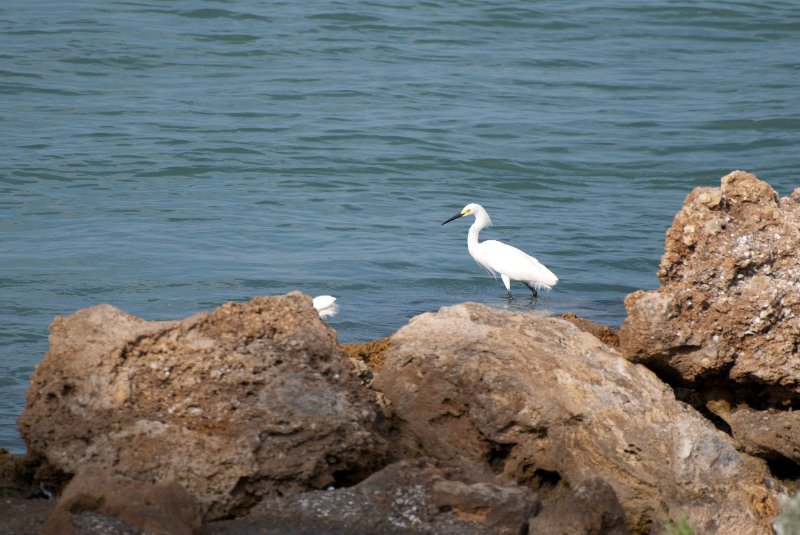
(726, 320)
(247, 401)
(729, 304)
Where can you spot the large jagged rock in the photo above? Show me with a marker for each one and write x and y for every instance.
(537, 401)
(248, 401)
(729, 304)
(726, 320)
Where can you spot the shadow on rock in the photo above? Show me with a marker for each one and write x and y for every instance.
(409, 497)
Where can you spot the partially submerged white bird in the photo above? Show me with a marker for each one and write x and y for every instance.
(497, 257)
(326, 305)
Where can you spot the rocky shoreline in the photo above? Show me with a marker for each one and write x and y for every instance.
(252, 419)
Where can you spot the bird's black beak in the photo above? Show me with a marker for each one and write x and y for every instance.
(454, 217)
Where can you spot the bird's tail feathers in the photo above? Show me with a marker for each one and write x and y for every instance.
(541, 286)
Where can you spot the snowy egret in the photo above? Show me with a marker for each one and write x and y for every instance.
(497, 257)
(326, 305)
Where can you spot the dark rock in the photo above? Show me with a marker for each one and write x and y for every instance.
(17, 477)
(409, 497)
(20, 516)
(92, 523)
(163, 509)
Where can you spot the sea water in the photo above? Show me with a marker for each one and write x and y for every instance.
(167, 157)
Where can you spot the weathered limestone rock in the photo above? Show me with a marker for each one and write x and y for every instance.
(164, 509)
(535, 399)
(729, 304)
(248, 401)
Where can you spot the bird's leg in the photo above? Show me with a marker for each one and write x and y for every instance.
(507, 284)
(532, 289)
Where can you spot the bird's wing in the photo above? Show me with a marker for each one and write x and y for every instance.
(504, 258)
(486, 266)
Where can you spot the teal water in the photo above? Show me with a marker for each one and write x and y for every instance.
(166, 157)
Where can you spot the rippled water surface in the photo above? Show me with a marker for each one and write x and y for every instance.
(166, 157)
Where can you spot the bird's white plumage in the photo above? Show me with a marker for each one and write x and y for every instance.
(497, 257)
(326, 305)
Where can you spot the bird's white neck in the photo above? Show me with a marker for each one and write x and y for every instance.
(472, 236)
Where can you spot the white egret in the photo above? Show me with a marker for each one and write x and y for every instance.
(497, 257)
(326, 305)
